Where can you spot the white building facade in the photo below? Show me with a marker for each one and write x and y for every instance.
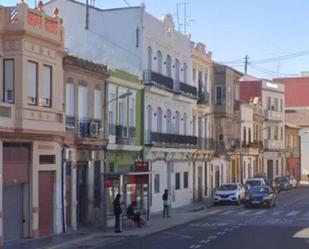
(131, 40)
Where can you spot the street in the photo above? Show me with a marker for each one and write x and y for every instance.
(285, 226)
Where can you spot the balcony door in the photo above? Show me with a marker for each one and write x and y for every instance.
(82, 103)
(169, 121)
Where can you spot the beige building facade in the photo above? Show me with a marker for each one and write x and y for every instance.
(32, 124)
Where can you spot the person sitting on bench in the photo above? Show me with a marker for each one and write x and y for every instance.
(134, 214)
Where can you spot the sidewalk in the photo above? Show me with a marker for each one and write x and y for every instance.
(88, 237)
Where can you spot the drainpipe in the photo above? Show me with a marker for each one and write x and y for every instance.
(63, 162)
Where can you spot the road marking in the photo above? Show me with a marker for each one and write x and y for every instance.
(260, 212)
(212, 237)
(220, 233)
(277, 212)
(244, 212)
(292, 213)
(197, 246)
(213, 212)
(205, 241)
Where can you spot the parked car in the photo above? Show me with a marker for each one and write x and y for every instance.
(293, 181)
(254, 182)
(263, 196)
(231, 192)
(275, 184)
(285, 183)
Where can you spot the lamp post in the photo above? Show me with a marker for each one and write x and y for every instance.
(105, 134)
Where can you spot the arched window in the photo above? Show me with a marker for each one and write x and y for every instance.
(149, 58)
(185, 123)
(159, 120)
(185, 72)
(177, 68)
(177, 122)
(159, 62)
(169, 121)
(149, 118)
(168, 66)
(244, 136)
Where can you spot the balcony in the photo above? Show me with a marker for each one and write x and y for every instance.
(152, 78)
(169, 140)
(252, 148)
(112, 129)
(273, 115)
(187, 90)
(203, 98)
(229, 145)
(206, 143)
(124, 135)
(70, 121)
(273, 144)
(88, 128)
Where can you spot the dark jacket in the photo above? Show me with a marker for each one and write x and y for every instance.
(117, 207)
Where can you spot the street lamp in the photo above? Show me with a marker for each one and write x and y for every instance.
(103, 191)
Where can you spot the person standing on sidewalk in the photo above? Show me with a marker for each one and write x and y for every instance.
(117, 213)
(166, 204)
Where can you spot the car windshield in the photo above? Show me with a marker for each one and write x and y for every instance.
(226, 187)
(260, 190)
(254, 183)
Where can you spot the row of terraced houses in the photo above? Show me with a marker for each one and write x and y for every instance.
(96, 102)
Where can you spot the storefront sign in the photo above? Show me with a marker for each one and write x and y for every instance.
(272, 85)
(141, 167)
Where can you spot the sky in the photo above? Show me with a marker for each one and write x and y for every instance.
(231, 29)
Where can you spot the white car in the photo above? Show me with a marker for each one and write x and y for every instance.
(293, 181)
(230, 192)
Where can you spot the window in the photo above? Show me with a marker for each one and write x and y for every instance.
(185, 179)
(122, 114)
(194, 75)
(219, 95)
(249, 136)
(177, 123)
(149, 58)
(177, 67)
(281, 105)
(281, 129)
(276, 137)
(177, 181)
(185, 73)
(277, 167)
(159, 120)
(47, 85)
(168, 66)
(169, 121)
(97, 104)
(9, 78)
(275, 104)
(149, 118)
(269, 132)
(131, 112)
(47, 159)
(157, 183)
(69, 106)
(82, 102)
(159, 62)
(269, 103)
(244, 136)
(206, 82)
(32, 79)
(185, 123)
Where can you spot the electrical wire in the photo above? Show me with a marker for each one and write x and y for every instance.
(127, 3)
(282, 57)
(268, 71)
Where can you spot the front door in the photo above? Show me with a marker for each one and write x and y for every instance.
(46, 203)
(270, 169)
(81, 192)
(199, 184)
(13, 212)
(68, 194)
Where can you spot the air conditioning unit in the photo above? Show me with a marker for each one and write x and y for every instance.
(9, 96)
(46, 102)
(94, 129)
(32, 100)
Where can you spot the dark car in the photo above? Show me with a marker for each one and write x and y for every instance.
(263, 196)
(285, 183)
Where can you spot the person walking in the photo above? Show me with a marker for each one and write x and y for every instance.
(117, 213)
(166, 204)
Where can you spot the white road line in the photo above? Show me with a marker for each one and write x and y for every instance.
(220, 233)
(244, 212)
(205, 241)
(292, 213)
(260, 212)
(277, 212)
(213, 212)
(212, 237)
(192, 246)
(197, 246)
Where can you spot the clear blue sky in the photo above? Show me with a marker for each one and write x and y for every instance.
(233, 28)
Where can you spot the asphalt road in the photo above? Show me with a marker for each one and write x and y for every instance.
(285, 226)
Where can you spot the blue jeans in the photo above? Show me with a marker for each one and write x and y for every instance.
(166, 211)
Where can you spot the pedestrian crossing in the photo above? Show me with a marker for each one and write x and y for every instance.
(258, 212)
